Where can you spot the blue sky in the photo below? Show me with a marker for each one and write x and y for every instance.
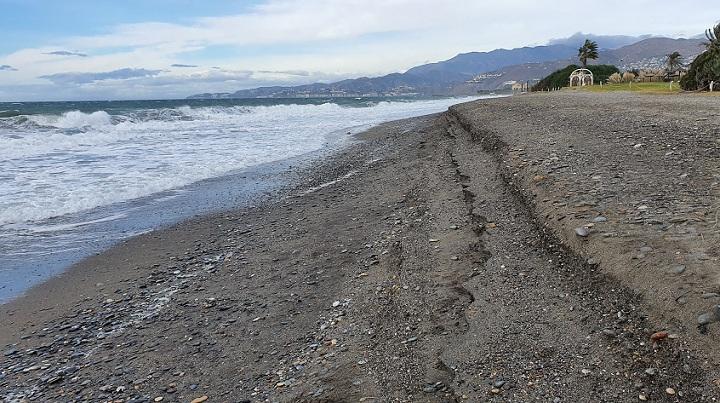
(122, 49)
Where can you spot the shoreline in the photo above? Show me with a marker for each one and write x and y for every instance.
(446, 264)
(231, 191)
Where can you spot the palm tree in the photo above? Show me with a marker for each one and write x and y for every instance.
(588, 51)
(713, 39)
(673, 62)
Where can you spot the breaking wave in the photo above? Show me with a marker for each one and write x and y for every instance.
(57, 164)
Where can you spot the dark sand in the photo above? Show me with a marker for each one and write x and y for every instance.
(443, 265)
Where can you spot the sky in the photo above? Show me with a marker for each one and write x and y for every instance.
(158, 49)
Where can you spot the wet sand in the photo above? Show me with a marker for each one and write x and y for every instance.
(453, 257)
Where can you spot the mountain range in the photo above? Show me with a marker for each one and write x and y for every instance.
(470, 73)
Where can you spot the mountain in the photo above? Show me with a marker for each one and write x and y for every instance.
(467, 65)
(650, 53)
(607, 41)
(468, 73)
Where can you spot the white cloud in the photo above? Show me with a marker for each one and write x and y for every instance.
(338, 38)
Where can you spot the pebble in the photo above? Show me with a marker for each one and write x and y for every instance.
(158, 399)
(336, 304)
(609, 333)
(599, 219)
(10, 352)
(706, 318)
(678, 269)
(582, 232)
(199, 399)
(670, 391)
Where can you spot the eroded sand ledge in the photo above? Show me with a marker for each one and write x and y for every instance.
(437, 260)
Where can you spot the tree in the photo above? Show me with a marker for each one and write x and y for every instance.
(560, 78)
(673, 62)
(588, 51)
(705, 69)
(713, 39)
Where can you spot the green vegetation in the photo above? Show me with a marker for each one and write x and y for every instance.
(706, 67)
(588, 51)
(650, 88)
(673, 62)
(561, 78)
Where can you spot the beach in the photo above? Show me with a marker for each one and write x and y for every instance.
(554, 247)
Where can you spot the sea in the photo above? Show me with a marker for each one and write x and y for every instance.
(78, 177)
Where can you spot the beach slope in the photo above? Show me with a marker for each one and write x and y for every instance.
(558, 247)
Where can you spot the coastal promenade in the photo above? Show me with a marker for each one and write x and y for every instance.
(556, 247)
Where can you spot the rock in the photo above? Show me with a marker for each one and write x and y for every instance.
(709, 295)
(651, 371)
(609, 333)
(657, 336)
(646, 249)
(678, 269)
(499, 383)
(582, 232)
(10, 352)
(158, 399)
(706, 318)
(199, 399)
(336, 304)
(599, 219)
(670, 391)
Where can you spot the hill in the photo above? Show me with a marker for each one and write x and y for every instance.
(468, 73)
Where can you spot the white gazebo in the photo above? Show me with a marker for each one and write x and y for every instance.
(581, 78)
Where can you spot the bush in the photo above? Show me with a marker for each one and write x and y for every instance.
(704, 69)
(561, 78)
(628, 76)
(615, 78)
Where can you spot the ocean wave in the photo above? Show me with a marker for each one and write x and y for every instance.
(54, 165)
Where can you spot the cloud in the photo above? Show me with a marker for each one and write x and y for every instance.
(297, 41)
(7, 67)
(299, 73)
(86, 78)
(65, 53)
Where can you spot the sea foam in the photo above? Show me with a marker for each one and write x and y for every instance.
(54, 165)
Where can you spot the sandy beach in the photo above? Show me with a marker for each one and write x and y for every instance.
(556, 247)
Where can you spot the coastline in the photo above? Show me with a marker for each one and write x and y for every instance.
(443, 264)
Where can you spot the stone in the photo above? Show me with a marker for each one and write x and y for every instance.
(599, 219)
(706, 318)
(199, 399)
(10, 352)
(499, 383)
(678, 269)
(670, 391)
(609, 333)
(582, 232)
(657, 336)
